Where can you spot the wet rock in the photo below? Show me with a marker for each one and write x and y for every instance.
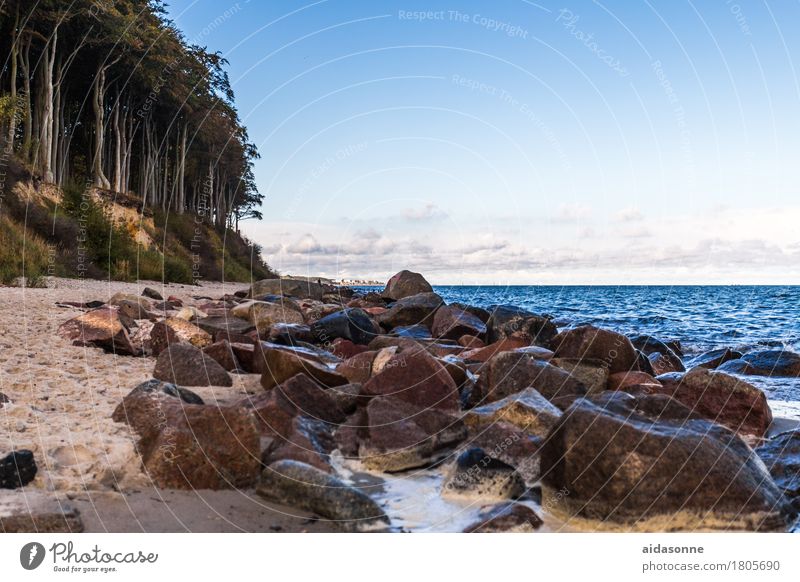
(507, 320)
(186, 365)
(174, 330)
(635, 381)
(484, 354)
(351, 324)
(418, 331)
(401, 436)
(589, 342)
(35, 511)
(625, 459)
(264, 315)
(226, 326)
(781, 455)
(476, 474)
(721, 398)
(506, 518)
(291, 287)
(772, 363)
(290, 334)
(714, 358)
(344, 348)
(222, 353)
(412, 310)
(510, 444)
(591, 373)
(17, 469)
(188, 446)
(663, 364)
(527, 410)
(100, 328)
(281, 364)
(670, 361)
(452, 322)
(155, 386)
(471, 342)
(415, 377)
(404, 284)
(151, 293)
(307, 440)
(302, 486)
(511, 372)
(478, 312)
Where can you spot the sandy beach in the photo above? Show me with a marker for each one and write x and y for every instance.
(62, 398)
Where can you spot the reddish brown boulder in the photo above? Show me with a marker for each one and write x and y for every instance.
(344, 348)
(506, 517)
(415, 377)
(190, 446)
(174, 330)
(451, 322)
(504, 345)
(589, 342)
(626, 381)
(101, 328)
(471, 342)
(411, 310)
(358, 368)
(185, 365)
(404, 284)
(281, 364)
(222, 353)
(721, 398)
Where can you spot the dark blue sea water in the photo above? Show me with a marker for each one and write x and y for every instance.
(745, 318)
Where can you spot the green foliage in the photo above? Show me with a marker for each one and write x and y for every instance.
(22, 254)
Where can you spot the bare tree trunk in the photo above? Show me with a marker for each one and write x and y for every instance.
(12, 125)
(117, 150)
(46, 129)
(27, 135)
(98, 100)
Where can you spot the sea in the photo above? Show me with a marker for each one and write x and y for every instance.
(745, 318)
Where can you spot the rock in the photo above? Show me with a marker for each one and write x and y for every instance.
(37, 511)
(476, 474)
(400, 436)
(304, 487)
(358, 368)
(650, 346)
(189, 446)
(773, 363)
(721, 398)
(352, 324)
(470, 342)
(132, 310)
(589, 342)
(17, 469)
(714, 358)
(308, 441)
(781, 455)
(186, 365)
(412, 310)
(486, 353)
(507, 320)
(452, 322)
(478, 312)
(4, 399)
(222, 353)
(506, 518)
(295, 288)
(418, 331)
(663, 364)
(290, 334)
(174, 330)
(225, 325)
(641, 381)
(527, 410)
(510, 444)
(154, 386)
(282, 364)
(344, 348)
(511, 372)
(591, 373)
(100, 328)
(404, 284)
(121, 297)
(152, 294)
(415, 377)
(627, 459)
(311, 400)
(264, 315)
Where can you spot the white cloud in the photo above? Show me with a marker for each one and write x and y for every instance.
(631, 214)
(573, 212)
(427, 212)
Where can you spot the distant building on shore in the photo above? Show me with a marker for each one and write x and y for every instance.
(360, 283)
(329, 281)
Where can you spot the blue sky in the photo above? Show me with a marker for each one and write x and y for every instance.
(519, 142)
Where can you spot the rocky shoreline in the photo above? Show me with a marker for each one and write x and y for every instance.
(516, 417)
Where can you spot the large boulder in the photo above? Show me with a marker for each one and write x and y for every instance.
(510, 372)
(400, 436)
(507, 320)
(721, 398)
(225, 326)
(773, 363)
(263, 315)
(452, 322)
(411, 310)
(416, 377)
(186, 365)
(714, 358)
(626, 459)
(299, 485)
(510, 444)
(506, 517)
(281, 364)
(404, 284)
(352, 324)
(293, 287)
(476, 474)
(174, 330)
(527, 410)
(100, 328)
(591, 373)
(189, 446)
(588, 342)
(781, 455)
(667, 360)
